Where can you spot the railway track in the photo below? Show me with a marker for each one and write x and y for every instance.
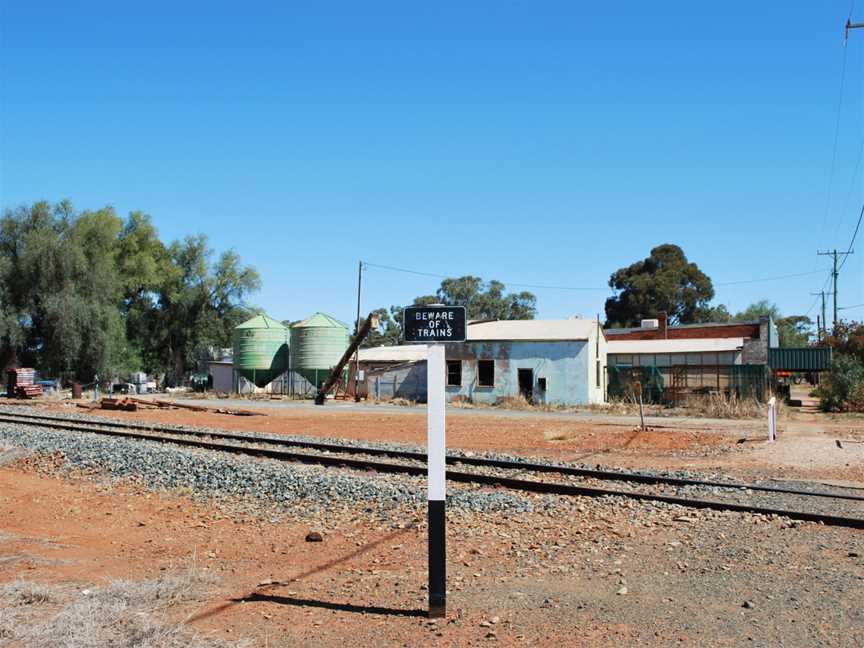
(367, 458)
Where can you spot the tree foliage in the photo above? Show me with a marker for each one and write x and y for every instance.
(793, 330)
(664, 281)
(481, 300)
(90, 293)
(842, 388)
(484, 300)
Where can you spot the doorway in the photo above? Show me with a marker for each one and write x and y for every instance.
(526, 384)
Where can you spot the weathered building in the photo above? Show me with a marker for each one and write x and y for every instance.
(694, 356)
(389, 372)
(548, 361)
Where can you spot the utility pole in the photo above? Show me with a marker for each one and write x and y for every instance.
(834, 273)
(850, 25)
(820, 328)
(357, 329)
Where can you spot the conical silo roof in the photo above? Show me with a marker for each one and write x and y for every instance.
(320, 320)
(261, 322)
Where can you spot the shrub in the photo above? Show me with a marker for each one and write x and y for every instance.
(842, 390)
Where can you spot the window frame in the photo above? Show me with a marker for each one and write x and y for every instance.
(479, 381)
(450, 364)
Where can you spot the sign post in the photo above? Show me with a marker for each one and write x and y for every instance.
(772, 419)
(435, 325)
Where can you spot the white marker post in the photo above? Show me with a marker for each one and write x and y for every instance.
(436, 325)
(772, 419)
(436, 479)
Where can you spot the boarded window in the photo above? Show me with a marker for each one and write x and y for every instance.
(486, 373)
(454, 373)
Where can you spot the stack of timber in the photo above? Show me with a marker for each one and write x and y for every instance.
(20, 383)
(131, 404)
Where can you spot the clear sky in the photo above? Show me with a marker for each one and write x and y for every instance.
(539, 142)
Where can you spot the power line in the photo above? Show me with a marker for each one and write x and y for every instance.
(777, 278)
(507, 283)
(575, 288)
(836, 138)
(852, 242)
(821, 290)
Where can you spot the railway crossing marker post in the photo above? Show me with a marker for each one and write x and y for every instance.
(436, 325)
(772, 419)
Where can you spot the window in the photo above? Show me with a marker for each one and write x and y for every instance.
(486, 373)
(596, 373)
(454, 373)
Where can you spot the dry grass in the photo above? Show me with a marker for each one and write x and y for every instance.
(398, 401)
(514, 403)
(624, 407)
(461, 402)
(120, 614)
(21, 592)
(726, 407)
(558, 435)
(718, 406)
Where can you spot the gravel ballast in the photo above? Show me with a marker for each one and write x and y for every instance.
(212, 474)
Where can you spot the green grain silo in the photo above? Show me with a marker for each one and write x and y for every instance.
(261, 349)
(317, 344)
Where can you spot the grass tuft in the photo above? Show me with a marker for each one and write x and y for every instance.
(123, 613)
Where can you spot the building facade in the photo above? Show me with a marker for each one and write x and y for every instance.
(693, 357)
(545, 361)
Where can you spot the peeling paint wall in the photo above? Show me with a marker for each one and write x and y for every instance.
(568, 368)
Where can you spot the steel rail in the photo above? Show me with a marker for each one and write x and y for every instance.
(461, 477)
(507, 464)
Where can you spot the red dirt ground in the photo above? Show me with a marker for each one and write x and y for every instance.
(542, 436)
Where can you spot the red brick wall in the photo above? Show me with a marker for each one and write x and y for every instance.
(692, 333)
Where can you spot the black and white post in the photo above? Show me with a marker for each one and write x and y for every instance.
(435, 326)
(436, 480)
(772, 419)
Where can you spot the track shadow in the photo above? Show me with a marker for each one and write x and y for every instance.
(327, 605)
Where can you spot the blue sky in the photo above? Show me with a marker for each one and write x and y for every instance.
(543, 143)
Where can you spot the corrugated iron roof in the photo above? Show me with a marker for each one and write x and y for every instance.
(687, 345)
(406, 353)
(531, 330)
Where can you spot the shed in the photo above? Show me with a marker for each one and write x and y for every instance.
(546, 361)
(221, 373)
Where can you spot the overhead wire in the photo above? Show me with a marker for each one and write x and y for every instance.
(836, 136)
(852, 242)
(422, 273)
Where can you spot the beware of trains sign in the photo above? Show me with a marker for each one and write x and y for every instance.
(434, 324)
